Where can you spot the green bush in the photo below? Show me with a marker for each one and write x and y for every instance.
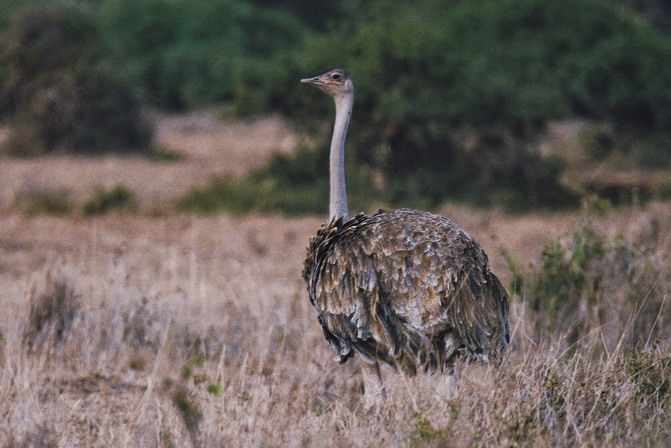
(189, 54)
(58, 92)
(221, 194)
(47, 202)
(317, 14)
(449, 97)
(288, 184)
(654, 151)
(119, 198)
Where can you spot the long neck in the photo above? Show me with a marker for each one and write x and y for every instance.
(338, 196)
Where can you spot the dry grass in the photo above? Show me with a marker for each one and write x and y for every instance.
(162, 331)
(197, 332)
(209, 148)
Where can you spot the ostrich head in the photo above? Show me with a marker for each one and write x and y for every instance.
(335, 82)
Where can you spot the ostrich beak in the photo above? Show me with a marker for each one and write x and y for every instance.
(321, 82)
(315, 81)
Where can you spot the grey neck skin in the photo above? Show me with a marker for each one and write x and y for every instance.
(338, 195)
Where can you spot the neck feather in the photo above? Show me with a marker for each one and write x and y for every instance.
(338, 194)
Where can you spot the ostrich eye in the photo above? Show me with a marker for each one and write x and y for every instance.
(336, 76)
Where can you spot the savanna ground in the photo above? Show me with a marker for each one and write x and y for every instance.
(161, 329)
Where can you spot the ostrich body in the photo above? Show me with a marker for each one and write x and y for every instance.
(404, 287)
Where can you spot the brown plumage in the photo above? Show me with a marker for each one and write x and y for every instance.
(404, 287)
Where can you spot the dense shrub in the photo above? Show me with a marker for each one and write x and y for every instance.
(656, 12)
(58, 90)
(189, 54)
(654, 151)
(449, 97)
(316, 14)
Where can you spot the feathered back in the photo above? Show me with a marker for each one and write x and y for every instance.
(406, 287)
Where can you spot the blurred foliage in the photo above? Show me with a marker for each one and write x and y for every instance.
(58, 89)
(289, 184)
(656, 12)
(654, 151)
(451, 97)
(46, 202)
(187, 54)
(316, 14)
(119, 198)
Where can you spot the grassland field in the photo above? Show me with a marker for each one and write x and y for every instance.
(160, 329)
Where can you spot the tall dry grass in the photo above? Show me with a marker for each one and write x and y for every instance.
(181, 331)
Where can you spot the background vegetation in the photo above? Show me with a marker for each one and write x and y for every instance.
(452, 99)
(59, 90)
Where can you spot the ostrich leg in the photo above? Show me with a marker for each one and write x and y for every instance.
(374, 393)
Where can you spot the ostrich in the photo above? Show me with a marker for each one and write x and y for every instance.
(404, 287)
